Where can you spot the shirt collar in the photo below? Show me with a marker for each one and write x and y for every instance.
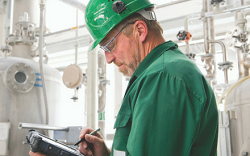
(153, 55)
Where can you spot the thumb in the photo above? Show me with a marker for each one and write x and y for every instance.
(94, 140)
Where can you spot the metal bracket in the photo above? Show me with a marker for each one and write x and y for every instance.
(225, 65)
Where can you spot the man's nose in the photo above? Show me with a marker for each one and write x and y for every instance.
(109, 57)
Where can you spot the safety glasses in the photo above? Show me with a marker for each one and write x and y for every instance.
(108, 47)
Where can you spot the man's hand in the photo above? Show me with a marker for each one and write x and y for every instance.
(94, 144)
(35, 154)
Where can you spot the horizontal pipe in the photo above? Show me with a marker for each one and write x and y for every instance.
(66, 41)
(236, 9)
(41, 126)
(65, 30)
(171, 3)
(76, 4)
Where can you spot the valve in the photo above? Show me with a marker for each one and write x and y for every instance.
(184, 35)
(191, 56)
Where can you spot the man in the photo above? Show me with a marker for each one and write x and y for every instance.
(168, 109)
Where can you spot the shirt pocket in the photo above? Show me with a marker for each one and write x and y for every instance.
(122, 118)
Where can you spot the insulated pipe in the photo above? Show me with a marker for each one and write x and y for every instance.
(42, 8)
(76, 4)
(41, 126)
(223, 47)
(92, 89)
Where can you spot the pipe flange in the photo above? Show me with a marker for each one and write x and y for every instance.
(207, 57)
(104, 82)
(225, 65)
(25, 25)
(20, 78)
(6, 48)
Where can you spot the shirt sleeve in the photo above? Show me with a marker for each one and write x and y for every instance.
(166, 117)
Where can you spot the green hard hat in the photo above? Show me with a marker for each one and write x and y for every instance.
(101, 16)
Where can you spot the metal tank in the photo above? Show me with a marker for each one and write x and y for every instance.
(21, 98)
(21, 89)
(238, 106)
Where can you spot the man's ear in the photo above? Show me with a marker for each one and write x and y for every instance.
(142, 30)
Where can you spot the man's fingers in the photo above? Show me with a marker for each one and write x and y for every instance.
(94, 140)
(83, 148)
(85, 131)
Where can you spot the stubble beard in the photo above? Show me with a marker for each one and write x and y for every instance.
(133, 65)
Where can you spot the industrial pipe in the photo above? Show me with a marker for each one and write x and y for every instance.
(212, 36)
(171, 3)
(41, 126)
(223, 47)
(76, 4)
(205, 25)
(92, 90)
(42, 7)
(77, 44)
(67, 41)
(186, 29)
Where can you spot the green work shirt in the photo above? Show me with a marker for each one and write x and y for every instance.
(169, 109)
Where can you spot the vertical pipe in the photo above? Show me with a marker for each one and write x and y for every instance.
(223, 47)
(10, 17)
(102, 96)
(41, 29)
(2, 24)
(205, 26)
(240, 56)
(92, 98)
(76, 45)
(186, 29)
(212, 37)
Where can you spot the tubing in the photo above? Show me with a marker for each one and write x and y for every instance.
(224, 55)
(42, 6)
(228, 91)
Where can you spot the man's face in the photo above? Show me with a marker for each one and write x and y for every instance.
(125, 53)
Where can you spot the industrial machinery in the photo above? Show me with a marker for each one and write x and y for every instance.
(30, 89)
(22, 89)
